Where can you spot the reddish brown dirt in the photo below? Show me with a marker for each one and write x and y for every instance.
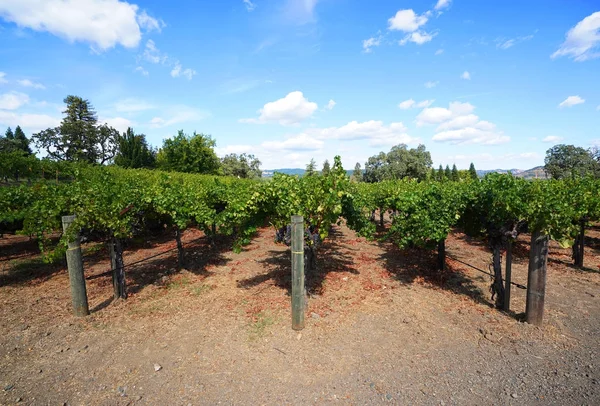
(382, 326)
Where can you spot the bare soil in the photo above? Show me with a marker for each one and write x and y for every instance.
(382, 326)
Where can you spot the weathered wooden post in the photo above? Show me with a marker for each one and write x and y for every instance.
(298, 299)
(508, 275)
(536, 278)
(441, 259)
(180, 253)
(75, 267)
(117, 267)
(579, 246)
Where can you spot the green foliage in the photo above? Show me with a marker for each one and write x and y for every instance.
(399, 163)
(454, 175)
(191, 154)
(567, 161)
(473, 172)
(447, 173)
(357, 174)
(79, 137)
(134, 151)
(244, 166)
(326, 168)
(311, 168)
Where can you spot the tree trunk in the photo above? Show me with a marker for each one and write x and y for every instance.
(497, 288)
(536, 279)
(372, 217)
(579, 246)
(508, 276)
(441, 260)
(381, 213)
(180, 252)
(118, 269)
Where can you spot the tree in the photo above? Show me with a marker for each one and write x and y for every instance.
(432, 174)
(22, 141)
(448, 173)
(473, 172)
(326, 168)
(440, 173)
(357, 174)
(241, 166)
(399, 163)
(454, 175)
(133, 151)
(311, 168)
(192, 154)
(9, 134)
(568, 161)
(79, 137)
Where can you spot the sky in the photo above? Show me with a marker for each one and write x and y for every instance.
(496, 83)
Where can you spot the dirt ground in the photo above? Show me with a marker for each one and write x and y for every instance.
(382, 327)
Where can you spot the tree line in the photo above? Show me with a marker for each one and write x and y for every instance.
(80, 139)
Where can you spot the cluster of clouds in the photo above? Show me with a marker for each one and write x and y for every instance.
(582, 42)
(153, 55)
(411, 24)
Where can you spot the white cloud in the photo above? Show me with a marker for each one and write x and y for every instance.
(29, 83)
(2, 80)
(178, 71)
(177, 115)
(118, 123)
(301, 142)
(406, 21)
(376, 132)
(249, 5)
(370, 43)
(330, 105)
(439, 52)
(290, 110)
(132, 105)
(553, 138)
(102, 23)
(430, 84)
(152, 54)
(410, 103)
(418, 37)
(442, 4)
(457, 125)
(582, 41)
(143, 71)
(571, 101)
(31, 122)
(466, 75)
(13, 100)
(503, 43)
(235, 149)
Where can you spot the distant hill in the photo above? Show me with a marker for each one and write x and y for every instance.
(533, 173)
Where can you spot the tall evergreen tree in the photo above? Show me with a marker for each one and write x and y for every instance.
(432, 175)
(134, 151)
(473, 172)
(357, 174)
(326, 168)
(21, 140)
(9, 134)
(455, 176)
(448, 173)
(440, 173)
(311, 168)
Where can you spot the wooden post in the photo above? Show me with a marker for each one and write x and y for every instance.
(442, 255)
(298, 299)
(536, 279)
(497, 286)
(381, 212)
(118, 268)
(180, 256)
(579, 246)
(75, 267)
(508, 276)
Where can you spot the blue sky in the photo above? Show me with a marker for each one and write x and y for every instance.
(496, 83)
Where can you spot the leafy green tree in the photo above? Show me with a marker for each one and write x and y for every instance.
(399, 163)
(568, 161)
(473, 172)
(311, 168)
(192, 154)
(357, 174)
(79, 137)
(133, 151)
(326, 168)
(454, 175)
(245, 166)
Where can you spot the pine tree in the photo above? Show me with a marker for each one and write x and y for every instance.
(473, 172)
(9, 134)
(455, 176)
(448, 173)
(432, 174)
(311, 168)
(440, 173)
(326, 168)
(21, 141)
(357, 174)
